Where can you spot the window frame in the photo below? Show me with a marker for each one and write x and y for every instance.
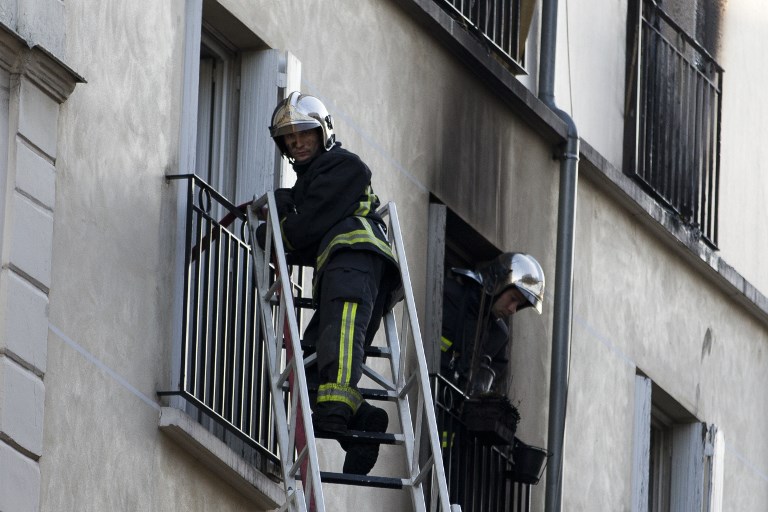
(680, 107)
(677, 459)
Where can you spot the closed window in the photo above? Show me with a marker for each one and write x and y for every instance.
(677, 461)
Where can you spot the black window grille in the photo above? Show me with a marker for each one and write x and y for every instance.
(673, 116)
(480, 477)
(496, 21)
(222, 371)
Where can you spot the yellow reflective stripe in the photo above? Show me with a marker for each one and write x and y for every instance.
(346, 342)
(348, 395)
(365, 206)
(445, 344)
(353, 237)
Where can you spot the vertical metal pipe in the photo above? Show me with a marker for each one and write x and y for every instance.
(566, 220)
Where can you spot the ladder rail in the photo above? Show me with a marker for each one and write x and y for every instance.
(301, 439)
(404, 413)
(426, 405)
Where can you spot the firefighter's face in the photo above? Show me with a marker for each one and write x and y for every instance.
(508, 302)
(303, 146)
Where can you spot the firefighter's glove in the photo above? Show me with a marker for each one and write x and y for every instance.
(284, 202)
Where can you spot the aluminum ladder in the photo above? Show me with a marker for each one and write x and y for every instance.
(408, 381)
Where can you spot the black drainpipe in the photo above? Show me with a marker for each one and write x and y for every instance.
(566, 222)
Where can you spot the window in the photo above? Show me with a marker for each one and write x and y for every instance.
(503, 25)
(677, 461)
(232, 83)
(480, 470)
(217, 113)
(660, 461)
(673, 108)
(452, 243)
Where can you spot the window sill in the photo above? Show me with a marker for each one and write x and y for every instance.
(679, 237)
(220, 459)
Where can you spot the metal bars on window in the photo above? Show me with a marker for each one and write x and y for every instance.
(479, 476)
(673, 116)
(496, 21)
(222, 370)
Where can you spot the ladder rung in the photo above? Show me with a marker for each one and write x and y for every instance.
(378, 394)
(303, 302)
(299, 302)
(383, 482)
(368, 393)
(369, 351)
(358, 436)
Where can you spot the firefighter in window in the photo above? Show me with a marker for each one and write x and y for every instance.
(477, 304)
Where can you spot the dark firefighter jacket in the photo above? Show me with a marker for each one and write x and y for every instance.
(332, 207)
(461, 311)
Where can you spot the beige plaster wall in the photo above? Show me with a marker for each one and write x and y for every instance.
(111, 292)
(639, 306)
(744, 156)
(423, 123)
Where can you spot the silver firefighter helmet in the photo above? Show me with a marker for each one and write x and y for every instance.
(300, 112)
(515, 269)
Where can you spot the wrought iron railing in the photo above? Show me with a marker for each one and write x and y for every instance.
(673, 116)
(480, 477)
(496, 21)
(222, 371)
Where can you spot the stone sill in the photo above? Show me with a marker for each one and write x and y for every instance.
(220, 459)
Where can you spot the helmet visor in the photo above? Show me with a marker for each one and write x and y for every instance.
(534, 301)
(287, 119)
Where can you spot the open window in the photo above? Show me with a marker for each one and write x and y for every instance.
(479, 460)
(452, 243)
(218, 396)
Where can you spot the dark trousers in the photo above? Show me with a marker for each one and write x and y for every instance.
(353, 295)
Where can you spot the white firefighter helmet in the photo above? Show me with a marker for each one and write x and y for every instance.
(515, 269)
(300, 112)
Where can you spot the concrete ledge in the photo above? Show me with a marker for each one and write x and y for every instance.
(476, 55)
(220, 459)
(679, 237)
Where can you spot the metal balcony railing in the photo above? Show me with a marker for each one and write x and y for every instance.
(480, 477)
(496, 21)
(222, 370)
(673, 116)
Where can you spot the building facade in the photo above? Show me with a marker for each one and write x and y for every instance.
(108, 110)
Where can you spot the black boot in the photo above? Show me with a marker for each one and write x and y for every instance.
(331, 418)
(361, 457)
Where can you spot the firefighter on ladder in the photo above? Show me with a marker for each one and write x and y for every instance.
(328, 221)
